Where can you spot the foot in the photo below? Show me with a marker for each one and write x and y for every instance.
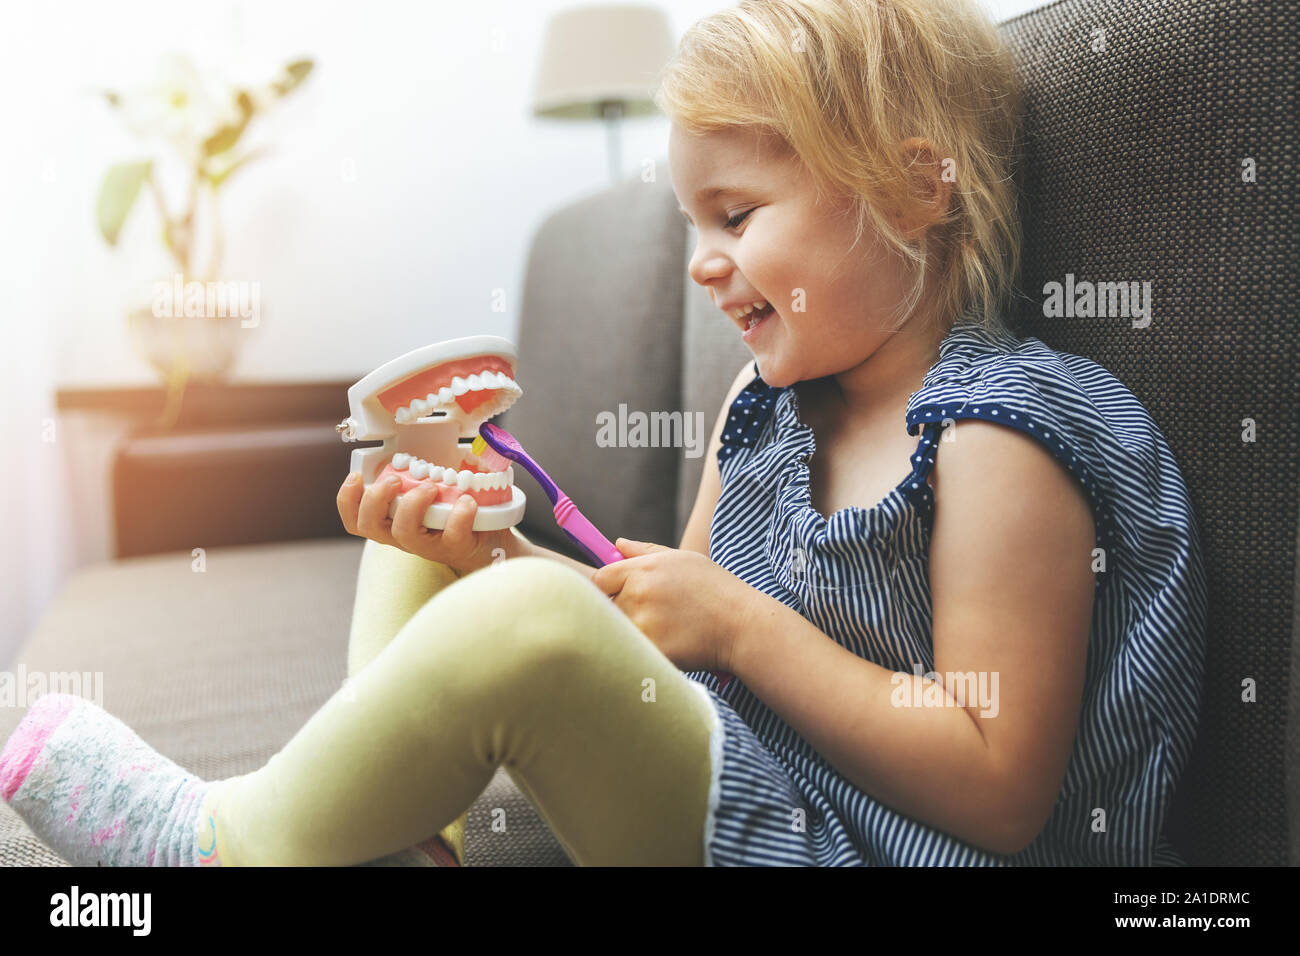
(97, 794)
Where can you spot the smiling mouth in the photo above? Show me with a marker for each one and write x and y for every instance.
(427, 406)
(757, 316)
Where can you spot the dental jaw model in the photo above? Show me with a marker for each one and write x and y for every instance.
(427, 406)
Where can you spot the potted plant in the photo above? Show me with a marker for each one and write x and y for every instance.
(189, 330)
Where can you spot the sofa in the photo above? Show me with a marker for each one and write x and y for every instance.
(1132, 169)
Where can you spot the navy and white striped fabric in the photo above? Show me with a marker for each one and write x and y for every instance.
(861, 577)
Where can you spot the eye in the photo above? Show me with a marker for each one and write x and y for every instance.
(737, 219)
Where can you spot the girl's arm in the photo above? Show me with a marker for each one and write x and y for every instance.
(1012, 592)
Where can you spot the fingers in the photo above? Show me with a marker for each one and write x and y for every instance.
(408, 528)
(349, 501)
(611, 577)
(458, 535)
(372, 518)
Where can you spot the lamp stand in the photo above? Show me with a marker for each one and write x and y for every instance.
(612, 110)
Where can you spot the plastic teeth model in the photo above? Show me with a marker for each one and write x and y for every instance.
(427, 406)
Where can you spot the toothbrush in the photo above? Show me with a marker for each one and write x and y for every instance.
(571, 521)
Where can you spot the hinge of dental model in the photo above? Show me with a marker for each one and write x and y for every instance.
(347, 429)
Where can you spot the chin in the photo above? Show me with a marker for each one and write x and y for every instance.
(774, 374)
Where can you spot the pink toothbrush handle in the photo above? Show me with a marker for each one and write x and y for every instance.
(568, 517)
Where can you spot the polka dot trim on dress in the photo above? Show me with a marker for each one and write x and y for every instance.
(929, 417)
(749, 413)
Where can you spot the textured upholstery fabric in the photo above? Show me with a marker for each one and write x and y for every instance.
(218, 669)
(1132, 172)
(602, 327)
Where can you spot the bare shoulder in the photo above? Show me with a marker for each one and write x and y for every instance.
(1002, 490)
(743, 378)
(1012, 527)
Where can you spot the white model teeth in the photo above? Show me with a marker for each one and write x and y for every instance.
(465, 480)
(744, 310)
(422, 407)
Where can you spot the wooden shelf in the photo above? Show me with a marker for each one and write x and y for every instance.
(207, 405)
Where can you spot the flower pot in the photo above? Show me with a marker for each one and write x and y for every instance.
(181, 347)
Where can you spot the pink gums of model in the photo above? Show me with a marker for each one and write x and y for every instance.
(427, 405)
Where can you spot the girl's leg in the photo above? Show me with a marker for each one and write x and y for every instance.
(524, 663)
(391, 586)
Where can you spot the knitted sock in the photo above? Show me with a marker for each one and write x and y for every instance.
(96, 793)
(435, 851)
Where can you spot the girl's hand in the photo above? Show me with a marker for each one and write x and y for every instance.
(688, 606)
(458, 545)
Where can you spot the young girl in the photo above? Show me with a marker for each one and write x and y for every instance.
(993, 660)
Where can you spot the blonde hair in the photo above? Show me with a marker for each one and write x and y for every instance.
(842, 84)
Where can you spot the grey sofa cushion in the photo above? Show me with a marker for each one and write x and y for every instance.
(1132, 172)
(601, 327)
(218, 669)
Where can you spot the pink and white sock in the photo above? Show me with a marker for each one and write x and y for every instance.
(97, 794)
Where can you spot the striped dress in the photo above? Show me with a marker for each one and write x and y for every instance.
(861, 577)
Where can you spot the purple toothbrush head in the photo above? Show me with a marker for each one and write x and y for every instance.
(571, 521)
(504, 443)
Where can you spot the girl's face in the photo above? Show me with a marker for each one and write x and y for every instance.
(767, 238)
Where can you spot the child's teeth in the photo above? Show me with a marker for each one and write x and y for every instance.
(401, 460)
(463, 478)
(419, 469)
(458, 385)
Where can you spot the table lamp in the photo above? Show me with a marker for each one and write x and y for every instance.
(602, 62)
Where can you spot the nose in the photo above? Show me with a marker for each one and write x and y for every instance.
(707, 265)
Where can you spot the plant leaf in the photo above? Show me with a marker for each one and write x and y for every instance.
(226, 137)
(215, 179)
(117, 195)
(295, 73)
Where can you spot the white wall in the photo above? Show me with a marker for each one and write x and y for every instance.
(407, 178)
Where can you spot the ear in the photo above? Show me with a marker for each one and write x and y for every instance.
(932, 177)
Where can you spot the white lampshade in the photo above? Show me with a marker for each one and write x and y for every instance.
(601, 54)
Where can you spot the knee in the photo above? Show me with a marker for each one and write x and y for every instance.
(534, 583)
(533, 609)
